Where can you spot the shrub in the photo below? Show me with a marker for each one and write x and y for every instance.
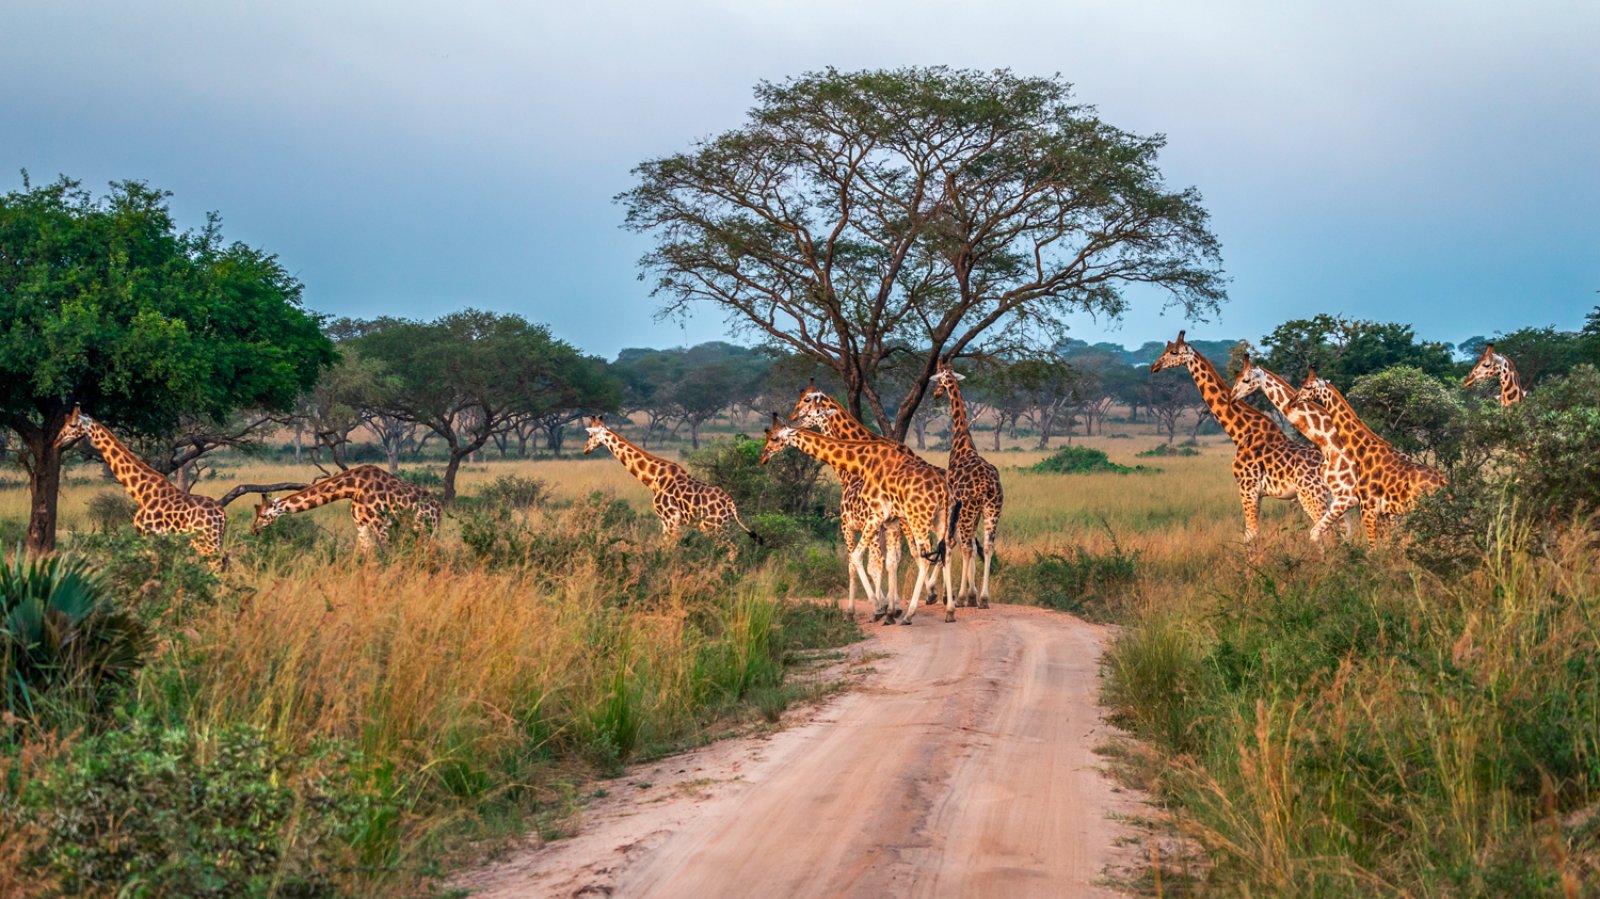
(159, 577)
(1168, 449)
(790, 482)
(62, 639)
(1082, 582)
(516, 491)
(111, 512)
(1412, 410)
(422, 477)
(171, 812)
(1081, 460)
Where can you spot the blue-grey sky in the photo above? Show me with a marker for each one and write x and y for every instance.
(1436, 163)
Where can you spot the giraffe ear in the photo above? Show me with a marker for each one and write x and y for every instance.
(957, 375)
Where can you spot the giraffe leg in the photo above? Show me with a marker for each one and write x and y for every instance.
(850, 566)
(890, 537)
(1250, 498)
(1336, 510)
(991, 524)
(1370, 519)
(874, 571)
(1313, 499)
(918, 550)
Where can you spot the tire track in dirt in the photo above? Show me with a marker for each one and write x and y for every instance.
(963, 765)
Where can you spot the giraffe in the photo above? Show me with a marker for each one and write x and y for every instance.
(376, 499)
(677, 498)
(1494, 365)
(1386, 482)
(975, 482)
(1265, 460)
(818, 411)
(163, 508)
(1309, 419)
(896, 485)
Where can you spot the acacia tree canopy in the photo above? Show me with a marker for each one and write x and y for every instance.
(104, 303)
(858, 213)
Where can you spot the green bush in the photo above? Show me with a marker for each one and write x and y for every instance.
(422, 477)
(159, 811)
(791, 482)
(1081, 460)
(516, 491)
(1413, 410)
(1168, 449)
(64, 644)
(111, 512)
(159, 577)
(1083, 582)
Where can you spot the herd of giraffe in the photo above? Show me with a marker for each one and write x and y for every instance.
(1345, 466)
(889, 493)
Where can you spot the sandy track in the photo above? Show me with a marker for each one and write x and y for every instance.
(962, 766)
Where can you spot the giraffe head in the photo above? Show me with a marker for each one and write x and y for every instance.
(597, 433)
(814, 406)
(1251, 378)
(267, 511)
(778, 437)
(944, 380)
(1315, 390)
(1178, 353)
(78, 425)
(1489, 368)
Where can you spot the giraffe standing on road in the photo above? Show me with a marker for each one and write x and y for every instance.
(820, 412)
(1493, 365)
(1265, 460)
(163, 508)
(677, 498)
(976, 483)
(377, 498)
(1386, 482)
(896, 485)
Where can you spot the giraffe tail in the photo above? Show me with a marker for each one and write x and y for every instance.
(938, 553)
(753, 535)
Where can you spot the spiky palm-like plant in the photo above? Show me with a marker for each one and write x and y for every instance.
(61, 635)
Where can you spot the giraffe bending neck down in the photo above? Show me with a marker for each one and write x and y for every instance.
(818, 411)
(1493, 365)
(163, 508)
(677, 498)
(377, 499)
(1265, 460)
(1308, 418)
(897, 485)
(976, 483)
(1388, 483)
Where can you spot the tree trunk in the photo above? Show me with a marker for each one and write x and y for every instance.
(448, 490)
(298, 428)
(44, 485)
(920, 428)
(694, 434)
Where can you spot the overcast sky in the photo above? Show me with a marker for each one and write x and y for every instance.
(1432, 163)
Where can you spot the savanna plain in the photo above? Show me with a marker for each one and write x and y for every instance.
(1339, 722)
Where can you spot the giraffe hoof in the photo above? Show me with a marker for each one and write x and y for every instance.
(905, 621)
(949, 617)
(878, 615)
(983, 603)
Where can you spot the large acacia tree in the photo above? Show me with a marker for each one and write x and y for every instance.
(104, 303)
(857, 214)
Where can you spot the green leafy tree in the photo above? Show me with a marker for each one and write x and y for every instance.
(1342, 349)
(1412, 410)
(105, 304)
(470, 375)
(856, 214)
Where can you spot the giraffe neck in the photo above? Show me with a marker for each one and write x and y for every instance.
(960, 428)
(1219, 399)
(647, 468)
(834, 452)
(141, 482)
(1345, 417)
(340, 486)
(1510, 385)
(843, 425)
(1303, 416)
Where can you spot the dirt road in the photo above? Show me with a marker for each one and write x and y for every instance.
(962, 766)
